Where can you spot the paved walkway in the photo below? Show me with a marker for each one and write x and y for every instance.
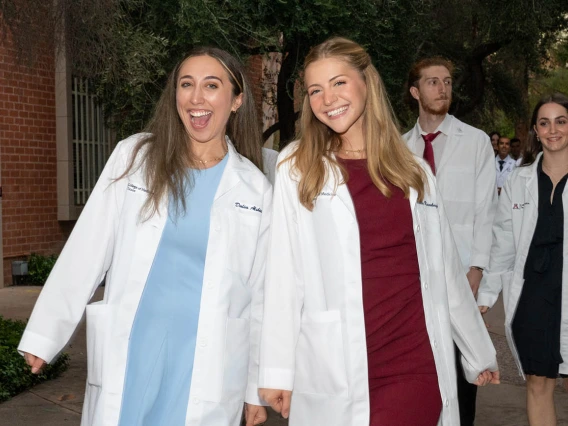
(58, 402)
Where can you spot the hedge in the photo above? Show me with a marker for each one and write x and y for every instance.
(15, 375)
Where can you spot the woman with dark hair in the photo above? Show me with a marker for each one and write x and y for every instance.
(494, 137)
(177, 226)
(528, 259)
(365, 290)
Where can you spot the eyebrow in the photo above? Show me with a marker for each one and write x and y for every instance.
(331, 79)
(209, 77)
(555, 118)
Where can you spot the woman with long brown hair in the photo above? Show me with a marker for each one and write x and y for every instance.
(178, 225)
(528, 259)
(365, 291)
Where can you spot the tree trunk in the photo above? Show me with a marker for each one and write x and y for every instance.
(285, 98)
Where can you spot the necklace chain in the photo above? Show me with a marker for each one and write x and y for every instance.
(349, 151)
(204, 162)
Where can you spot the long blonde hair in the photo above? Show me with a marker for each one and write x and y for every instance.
(388, 158)
(165, 152)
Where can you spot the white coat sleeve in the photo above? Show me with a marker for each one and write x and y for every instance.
(485, 203)
(256, 282)
(283, 288)
(81, 266)
(502, 251)
(468, 329)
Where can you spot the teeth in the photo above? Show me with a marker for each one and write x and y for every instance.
(336, 111)
(199, 113)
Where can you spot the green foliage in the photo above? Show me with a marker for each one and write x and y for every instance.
(15, 375)
(39, 268)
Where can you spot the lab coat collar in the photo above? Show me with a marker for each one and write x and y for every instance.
(235, 165)
(530, 173)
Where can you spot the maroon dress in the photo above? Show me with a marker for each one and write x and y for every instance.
(403, 383)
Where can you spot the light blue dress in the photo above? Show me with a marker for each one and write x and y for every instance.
(162, 341)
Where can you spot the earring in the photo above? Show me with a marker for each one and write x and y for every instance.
(538, 139)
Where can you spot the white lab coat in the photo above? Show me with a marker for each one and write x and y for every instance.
(269, 159)
(508, 166)
(466, 180)
(313, 336)
(513, 231)
(109, 239)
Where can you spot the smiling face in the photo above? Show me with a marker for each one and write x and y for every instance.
(337, 94)
(504, 147)
(433, 90)
(205, 99)
(552, 127)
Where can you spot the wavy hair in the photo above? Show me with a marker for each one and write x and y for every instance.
(165, 152)
(388, 158)
(533, 145)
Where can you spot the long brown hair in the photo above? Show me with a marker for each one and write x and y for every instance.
(533, 145)
(388, 158)
(165, 151)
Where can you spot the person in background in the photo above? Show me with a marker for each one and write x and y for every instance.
(494, 137)
(528, 259)
(462, 160)
(504, 164)
(516, 153)
(365, 291)
(178, 224)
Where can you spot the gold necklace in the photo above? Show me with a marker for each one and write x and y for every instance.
(204, 162)
(357, 151)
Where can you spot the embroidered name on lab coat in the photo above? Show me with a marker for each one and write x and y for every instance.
(133, 188)
(519, 206)
(245, 207)
(427, 204)
(325, 194)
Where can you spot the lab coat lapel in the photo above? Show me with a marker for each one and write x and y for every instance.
(230, 178)
(452, 141)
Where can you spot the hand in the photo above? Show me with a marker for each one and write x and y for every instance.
(483, 309)
(474, 278)
(35, 362)
(255, 414)
(278, 399)
(488, 377)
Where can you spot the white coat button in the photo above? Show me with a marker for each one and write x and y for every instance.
(195, 401)
(217, 227)
(209, 284)
(426, 286)
(417, 228)
(435, 344)
(203, 342)
(447, 402)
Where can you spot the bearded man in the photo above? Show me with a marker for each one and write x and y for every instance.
(462, 159)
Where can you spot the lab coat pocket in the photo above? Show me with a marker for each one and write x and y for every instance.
(320, 360)
(97, 320)
(235, 369)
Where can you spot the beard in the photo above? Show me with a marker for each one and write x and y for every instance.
(436, 108)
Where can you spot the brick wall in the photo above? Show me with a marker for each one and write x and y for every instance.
(28, 160)
(255, 74)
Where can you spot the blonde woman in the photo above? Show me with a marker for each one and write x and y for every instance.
(365, 291)
(178, 224)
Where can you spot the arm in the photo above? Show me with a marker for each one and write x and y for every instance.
(502, 251)
(80, 268)
(468, 329)
(256, 282)
(485, 205)
(283, 294)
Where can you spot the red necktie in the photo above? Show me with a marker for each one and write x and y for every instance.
(428, 150)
